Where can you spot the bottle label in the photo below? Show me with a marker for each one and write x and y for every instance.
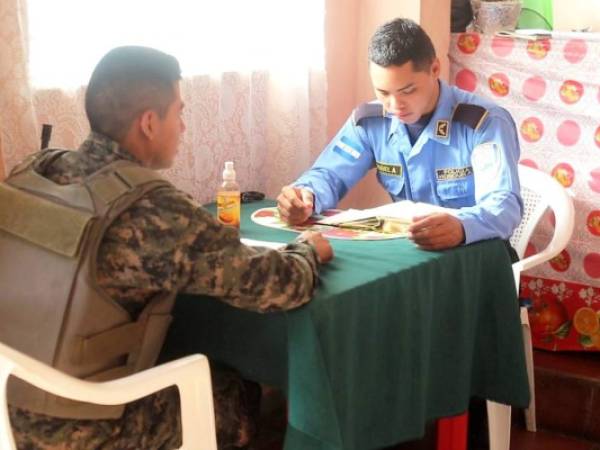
(228, 208)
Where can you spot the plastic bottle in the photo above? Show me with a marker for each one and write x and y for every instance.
(228, 198)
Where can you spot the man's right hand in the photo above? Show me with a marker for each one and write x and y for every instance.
(320, 243)
(295, 204)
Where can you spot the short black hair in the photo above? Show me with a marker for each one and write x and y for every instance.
(399, 41)
(127, 81)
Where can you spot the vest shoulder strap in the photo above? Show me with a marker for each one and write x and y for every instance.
(51, 225)
(120, 178)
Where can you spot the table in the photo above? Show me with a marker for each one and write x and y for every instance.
(393, 337)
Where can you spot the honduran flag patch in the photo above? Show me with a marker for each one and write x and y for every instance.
(348, 149)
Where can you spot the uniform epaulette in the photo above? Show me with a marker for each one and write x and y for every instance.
(367, 110)
(470, 115)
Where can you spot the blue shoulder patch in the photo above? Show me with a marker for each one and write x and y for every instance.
(348, 149)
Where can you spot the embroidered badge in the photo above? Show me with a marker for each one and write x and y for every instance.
(389, 169)
(348, 149)
(442, 128)
(454, 173)
(486, 160)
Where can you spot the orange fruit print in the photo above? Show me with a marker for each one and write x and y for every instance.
(585, 321)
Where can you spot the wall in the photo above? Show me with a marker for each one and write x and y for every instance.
(435, 18)
(349, 26)
(576, 14)
(2, 175)
(341, 23)
(372, 14)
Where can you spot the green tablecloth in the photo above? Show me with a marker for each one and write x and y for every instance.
(394, 336)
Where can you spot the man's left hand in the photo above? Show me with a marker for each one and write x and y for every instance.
(436, 231)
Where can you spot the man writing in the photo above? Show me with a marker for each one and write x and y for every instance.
(142, 242)
(430, 143)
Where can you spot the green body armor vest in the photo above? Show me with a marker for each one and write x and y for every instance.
(50, 305)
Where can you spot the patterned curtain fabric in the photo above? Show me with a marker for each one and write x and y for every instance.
(18, 127)
(271, 124)
(267, 123)
(552, 90)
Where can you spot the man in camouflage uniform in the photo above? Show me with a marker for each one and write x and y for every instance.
(164, 242)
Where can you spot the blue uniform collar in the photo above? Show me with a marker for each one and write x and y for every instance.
(435, 128)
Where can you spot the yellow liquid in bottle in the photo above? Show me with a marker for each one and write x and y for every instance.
(228, 208)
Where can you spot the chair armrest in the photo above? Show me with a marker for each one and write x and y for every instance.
(190, 374)
(113, 392)
(557, 244)
(561, 204)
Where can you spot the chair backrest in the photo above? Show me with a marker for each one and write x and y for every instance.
(539, 192)
(190, 374)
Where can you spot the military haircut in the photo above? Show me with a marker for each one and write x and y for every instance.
(126, 82)
(400, 41)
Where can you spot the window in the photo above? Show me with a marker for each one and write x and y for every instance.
(68, 37)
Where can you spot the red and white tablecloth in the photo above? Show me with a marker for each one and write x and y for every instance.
(552, 89)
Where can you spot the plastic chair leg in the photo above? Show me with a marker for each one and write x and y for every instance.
(498, 425)
(530, 421)
(452, 432)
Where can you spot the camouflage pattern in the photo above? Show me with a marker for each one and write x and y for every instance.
(158, 413)
(166, 241)
(152, 422)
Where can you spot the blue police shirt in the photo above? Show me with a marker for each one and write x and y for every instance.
(452, 164)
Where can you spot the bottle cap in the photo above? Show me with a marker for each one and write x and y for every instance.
(229, 172)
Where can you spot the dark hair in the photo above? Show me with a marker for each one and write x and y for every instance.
(127, 81)
(399, 41)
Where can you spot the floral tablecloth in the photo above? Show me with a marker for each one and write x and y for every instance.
(551, 87)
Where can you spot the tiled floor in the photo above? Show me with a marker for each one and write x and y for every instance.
(273, 423)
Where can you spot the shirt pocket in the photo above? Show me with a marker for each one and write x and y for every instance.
(393, 184)
(456, 193)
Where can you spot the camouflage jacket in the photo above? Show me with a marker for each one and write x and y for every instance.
(166, 241)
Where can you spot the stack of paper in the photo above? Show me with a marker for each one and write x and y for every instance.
(401, 212)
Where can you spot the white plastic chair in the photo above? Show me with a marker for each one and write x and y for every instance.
(191, 375)
(540, 192)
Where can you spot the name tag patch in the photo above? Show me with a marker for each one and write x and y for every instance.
(389, 169)
(454, 173)
(348, 149)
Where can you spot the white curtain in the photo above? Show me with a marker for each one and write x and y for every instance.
(18, 133)
(266, 119)
(267, 123)
(207, 36)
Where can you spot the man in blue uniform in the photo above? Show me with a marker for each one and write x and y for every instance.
(429, 142)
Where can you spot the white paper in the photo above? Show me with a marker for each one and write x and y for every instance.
(403, 210)
(257, 243)
(349, 215)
